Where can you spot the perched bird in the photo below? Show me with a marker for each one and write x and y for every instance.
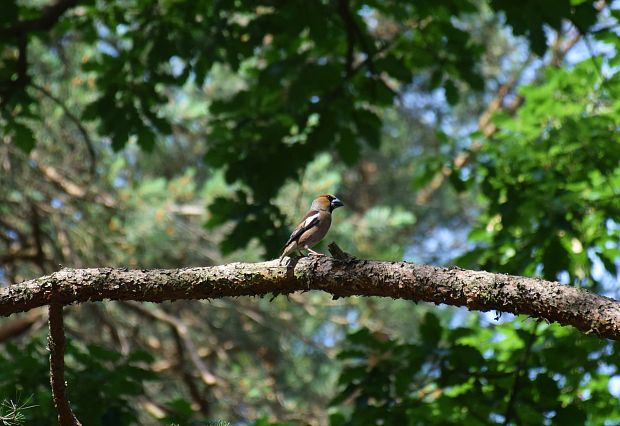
(313, 226)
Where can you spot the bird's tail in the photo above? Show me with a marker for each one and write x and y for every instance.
(284, 253)
(287, 249)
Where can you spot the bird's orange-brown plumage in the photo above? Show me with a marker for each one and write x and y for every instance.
(314, 225)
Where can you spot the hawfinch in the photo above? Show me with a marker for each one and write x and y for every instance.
(313, 226)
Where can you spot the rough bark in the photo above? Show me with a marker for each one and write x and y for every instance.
(477, 290)
(56, 344)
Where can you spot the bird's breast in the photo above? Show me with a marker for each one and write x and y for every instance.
(318, 232)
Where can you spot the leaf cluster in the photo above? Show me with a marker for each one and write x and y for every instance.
(102, 382)
(499, 375)
(315, 76)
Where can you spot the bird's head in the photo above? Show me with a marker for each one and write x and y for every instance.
(326, 202)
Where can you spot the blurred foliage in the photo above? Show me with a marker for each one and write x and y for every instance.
(103, 382)
(549, 181)
(137, 122)
(314, 78)
(496, 375)
(550, 178)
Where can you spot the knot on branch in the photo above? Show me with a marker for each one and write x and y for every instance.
(338, 253)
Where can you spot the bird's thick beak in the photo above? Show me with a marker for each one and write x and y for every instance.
(336, 203)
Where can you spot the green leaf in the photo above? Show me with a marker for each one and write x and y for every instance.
(452, 93)
(362, 337)
(337, 419)
(570, 415)
(348, 147)
(23, 136)
(368, 126)
(431, 329)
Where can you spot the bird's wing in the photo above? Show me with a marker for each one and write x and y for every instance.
(310, 220)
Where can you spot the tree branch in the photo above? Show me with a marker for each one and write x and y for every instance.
(485, 123)
(476, 290)
(343, 10)
(54, 176)
(520, 372)
(354, 33)
(72, 117)
(48, 18)
(56, 343)
(181, 333)
(19, 30)
(20, 325)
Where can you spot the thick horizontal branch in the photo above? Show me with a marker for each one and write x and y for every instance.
(477, 290)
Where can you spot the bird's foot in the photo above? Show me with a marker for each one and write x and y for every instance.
(314, 253)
